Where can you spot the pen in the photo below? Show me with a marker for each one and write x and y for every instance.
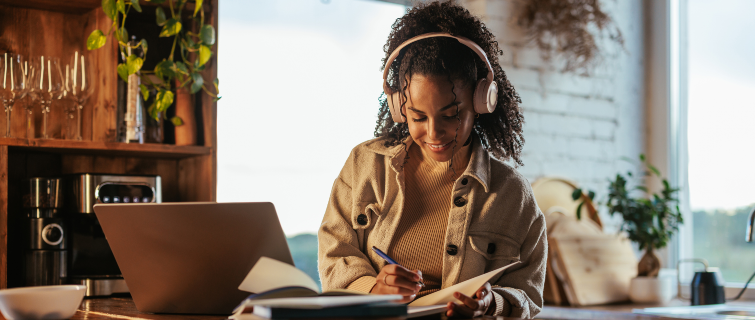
(391, 261)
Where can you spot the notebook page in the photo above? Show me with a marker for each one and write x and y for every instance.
(268, 274)
(468, 288)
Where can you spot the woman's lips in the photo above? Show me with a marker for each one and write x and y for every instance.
(438, 147)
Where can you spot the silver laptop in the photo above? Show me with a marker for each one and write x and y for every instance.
(190, 257)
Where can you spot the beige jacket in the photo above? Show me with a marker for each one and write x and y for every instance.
(494, 221)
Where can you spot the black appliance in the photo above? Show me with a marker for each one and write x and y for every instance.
(90, 261)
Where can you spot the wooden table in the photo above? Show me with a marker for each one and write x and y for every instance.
(124, 308)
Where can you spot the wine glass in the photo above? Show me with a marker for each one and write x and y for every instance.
(46, 85)
(14, 84)
(81, 86)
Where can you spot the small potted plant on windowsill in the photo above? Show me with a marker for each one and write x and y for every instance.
(650, 221)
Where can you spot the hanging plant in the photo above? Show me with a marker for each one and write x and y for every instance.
(564, 28)
(184, 66)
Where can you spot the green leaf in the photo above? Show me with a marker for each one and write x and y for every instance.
(152, 109)
(136, 5)
(165, 69)
(123, 71)
(655, 170)
(171, 28)
(121, 5)
(642, 188)
(591, 195)
(207, 34)
(216, 99)
(576, 194)
(145, 92)
(108, 6)
(197, 7)
(122, 35)
(204, 54)
(216, 82)
(144, 46)
(96, 40)
(579, 211)
(181, 68)
(164, 99)
(197, 83)
(177, 121)
(160, 16)
(134, 64)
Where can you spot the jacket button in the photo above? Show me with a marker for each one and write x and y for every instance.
(491, 248)
(464, 181)
(460, 202)
(452, 249)
(362, 219)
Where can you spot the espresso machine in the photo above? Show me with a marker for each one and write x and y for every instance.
(46, 251)
(90, 261)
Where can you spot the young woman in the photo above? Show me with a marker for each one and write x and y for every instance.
(432, 189)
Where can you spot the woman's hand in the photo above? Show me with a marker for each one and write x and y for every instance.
(395, 279)
(472, 307)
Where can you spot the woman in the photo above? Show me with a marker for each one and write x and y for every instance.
(432, 189)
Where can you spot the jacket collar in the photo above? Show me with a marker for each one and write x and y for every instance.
(478, 168)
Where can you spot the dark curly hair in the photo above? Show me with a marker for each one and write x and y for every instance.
(500, 131)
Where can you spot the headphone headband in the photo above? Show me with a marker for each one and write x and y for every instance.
(485, 93)
(469, 43)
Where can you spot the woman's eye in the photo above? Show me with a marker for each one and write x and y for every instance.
(451, 116)
(420, 119)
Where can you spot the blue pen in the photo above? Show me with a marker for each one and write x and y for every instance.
(391, 261)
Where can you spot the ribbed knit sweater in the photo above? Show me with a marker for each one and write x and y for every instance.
(419, 241)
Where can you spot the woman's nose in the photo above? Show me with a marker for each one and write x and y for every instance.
(435, 131)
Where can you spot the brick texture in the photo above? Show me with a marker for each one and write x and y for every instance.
(576, 127)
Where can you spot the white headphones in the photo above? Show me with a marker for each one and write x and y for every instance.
(485, 93)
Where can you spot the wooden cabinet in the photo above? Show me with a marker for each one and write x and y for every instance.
(58, 28)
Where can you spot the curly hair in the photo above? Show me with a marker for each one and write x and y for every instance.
(500, 131)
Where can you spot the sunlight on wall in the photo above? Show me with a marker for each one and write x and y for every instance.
(300, 81)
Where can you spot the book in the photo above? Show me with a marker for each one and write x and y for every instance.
(276, 284)
(380, 309)
(468, 287)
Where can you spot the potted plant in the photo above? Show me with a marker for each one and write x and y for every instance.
(192, 48)
(649, 219)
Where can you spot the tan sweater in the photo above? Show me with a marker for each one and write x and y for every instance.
(419, 241)
(492, 222)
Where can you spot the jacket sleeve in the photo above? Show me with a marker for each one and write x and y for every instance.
(520, 293)
(340, 260)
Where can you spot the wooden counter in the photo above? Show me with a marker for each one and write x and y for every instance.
(124, 308)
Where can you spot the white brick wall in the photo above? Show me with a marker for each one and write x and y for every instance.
(576, 127)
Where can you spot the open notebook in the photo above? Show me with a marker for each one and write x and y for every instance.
(278, 284)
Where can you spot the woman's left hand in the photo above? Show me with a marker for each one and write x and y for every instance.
(471, 306)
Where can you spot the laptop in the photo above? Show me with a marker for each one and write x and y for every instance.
(190, 258)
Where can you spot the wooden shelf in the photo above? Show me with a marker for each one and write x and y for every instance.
(79, 6)
(106, 148)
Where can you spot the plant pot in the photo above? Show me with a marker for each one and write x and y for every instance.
(186, 134)
(650, 290)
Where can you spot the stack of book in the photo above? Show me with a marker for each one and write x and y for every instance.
(280, 291)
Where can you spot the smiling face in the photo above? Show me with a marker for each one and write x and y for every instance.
(432, 115)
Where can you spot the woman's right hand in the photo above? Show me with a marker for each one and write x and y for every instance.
(395, 279)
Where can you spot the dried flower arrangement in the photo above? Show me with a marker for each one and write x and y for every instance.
(564, 27)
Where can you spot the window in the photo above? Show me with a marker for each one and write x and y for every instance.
(720, 110)
(300, 81)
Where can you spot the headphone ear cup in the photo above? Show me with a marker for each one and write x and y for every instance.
(394, 105)
(485, 96)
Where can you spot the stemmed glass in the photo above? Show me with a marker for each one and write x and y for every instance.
(14, 72)
(46, 85)
(81, 86)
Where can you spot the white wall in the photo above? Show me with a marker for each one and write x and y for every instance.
(576, 127)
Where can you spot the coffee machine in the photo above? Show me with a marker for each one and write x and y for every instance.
(90, 260)
(45, 250)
